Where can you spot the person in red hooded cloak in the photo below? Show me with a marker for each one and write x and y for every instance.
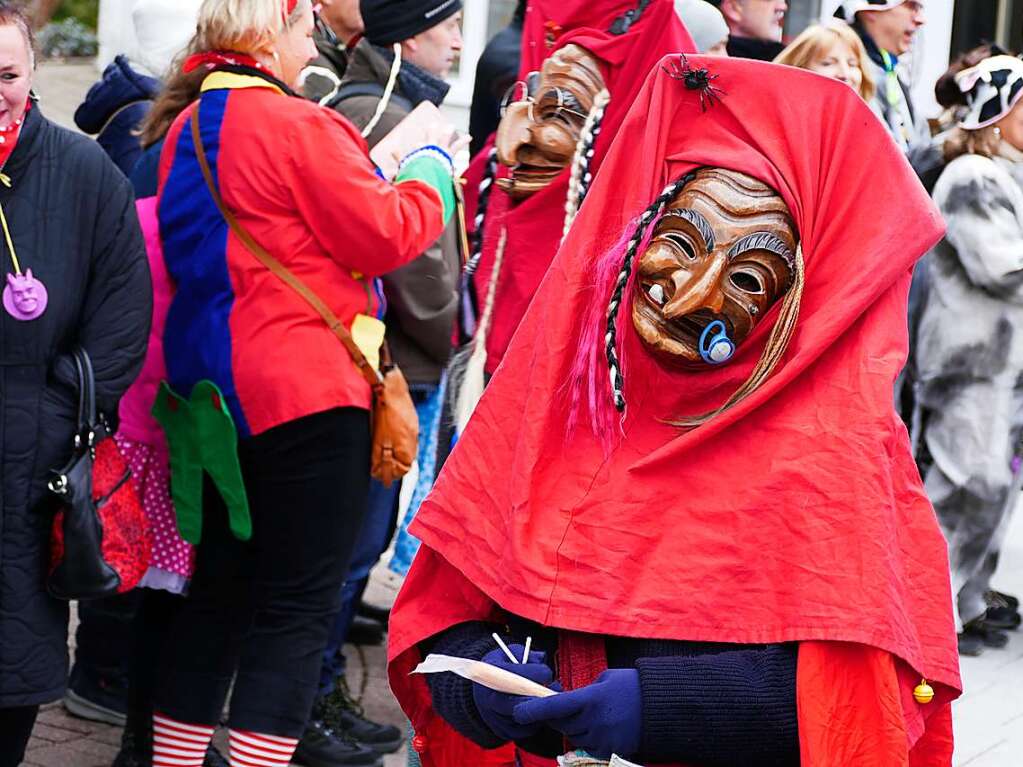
(582, 64)
(687, 483)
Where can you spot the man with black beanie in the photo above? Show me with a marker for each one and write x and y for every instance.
(407, 48)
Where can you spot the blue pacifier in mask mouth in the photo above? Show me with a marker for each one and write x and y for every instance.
(715, 345)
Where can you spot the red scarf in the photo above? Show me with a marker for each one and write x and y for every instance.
(11, 137)
(535, 225)
(797, 516)
(213, 59)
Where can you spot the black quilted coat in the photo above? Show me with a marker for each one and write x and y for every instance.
(72, 217)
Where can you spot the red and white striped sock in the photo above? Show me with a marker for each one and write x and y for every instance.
(176, 744)
(253, 749)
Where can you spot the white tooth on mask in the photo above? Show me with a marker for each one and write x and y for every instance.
(656, 292)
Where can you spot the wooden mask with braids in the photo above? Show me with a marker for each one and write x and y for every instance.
(722, 252)
(540, 130)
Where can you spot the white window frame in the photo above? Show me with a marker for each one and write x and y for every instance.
(474, 40)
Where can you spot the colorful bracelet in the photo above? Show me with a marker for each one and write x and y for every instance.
(430, 150)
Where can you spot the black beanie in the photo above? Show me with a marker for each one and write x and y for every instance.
(391, 21)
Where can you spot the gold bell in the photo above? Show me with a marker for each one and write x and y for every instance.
(923, 692)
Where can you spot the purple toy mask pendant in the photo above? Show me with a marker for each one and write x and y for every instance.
(25, 297)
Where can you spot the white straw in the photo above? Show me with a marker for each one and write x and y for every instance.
(503, 646)
(525, 655)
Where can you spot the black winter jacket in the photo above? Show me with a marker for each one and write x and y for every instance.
(72, 218)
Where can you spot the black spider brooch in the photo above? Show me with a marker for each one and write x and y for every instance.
(695, 80)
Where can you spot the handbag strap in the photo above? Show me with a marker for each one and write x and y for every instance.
(86, 391)
(335, 324)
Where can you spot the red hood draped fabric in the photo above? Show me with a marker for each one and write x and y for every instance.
(535, 224)
(798, 515)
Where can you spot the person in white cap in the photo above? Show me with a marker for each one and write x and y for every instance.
(887, 28)
(969, 353)
(706, 25)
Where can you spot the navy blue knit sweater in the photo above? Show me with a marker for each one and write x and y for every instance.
(706, 704)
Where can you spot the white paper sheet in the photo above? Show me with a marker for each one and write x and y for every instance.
(582, 759)
(483, 673)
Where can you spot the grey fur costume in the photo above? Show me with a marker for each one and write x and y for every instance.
(969, 358)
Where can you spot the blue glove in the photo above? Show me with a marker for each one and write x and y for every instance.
(497, 708)
(603, 718)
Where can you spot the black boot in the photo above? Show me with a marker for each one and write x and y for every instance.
(214, 758)
(1002, 617)
(999, 598)
(322, 747)
(342, 714)
(366, 631)
(136, 741)
(988, 636)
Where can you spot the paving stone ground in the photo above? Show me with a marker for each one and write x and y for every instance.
(60, 740)
(988, 718)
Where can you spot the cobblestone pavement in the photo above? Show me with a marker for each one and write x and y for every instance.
(988, 718)
(60, 740)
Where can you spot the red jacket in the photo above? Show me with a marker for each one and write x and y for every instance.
(299, 179)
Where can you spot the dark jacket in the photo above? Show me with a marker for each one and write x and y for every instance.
(322, 76)
(72, 218)
(114, 108)
(422, 297)
(496, 72)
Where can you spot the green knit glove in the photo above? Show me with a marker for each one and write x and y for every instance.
(201, 436)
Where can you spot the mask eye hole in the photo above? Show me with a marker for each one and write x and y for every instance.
(682, 243)
(747, 281)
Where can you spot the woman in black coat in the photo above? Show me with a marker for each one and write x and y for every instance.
(78, 248)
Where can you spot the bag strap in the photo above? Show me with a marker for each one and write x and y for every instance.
(86, 391)
(352, 90)
(336, 326)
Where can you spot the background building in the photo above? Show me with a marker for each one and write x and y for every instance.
(952, 27)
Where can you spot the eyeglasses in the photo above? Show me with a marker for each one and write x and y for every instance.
(554, 102)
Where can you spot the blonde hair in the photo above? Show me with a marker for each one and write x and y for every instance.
(818, 38)
(245, 26)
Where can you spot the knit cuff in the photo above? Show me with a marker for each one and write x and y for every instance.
(429, 150)
(726, 708)
(451, 694)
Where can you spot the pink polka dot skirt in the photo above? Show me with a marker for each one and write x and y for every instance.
(173, 558)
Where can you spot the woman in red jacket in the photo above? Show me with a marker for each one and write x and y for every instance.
(298, 180)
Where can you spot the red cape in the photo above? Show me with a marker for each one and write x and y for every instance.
(798, 515)
(535, 225)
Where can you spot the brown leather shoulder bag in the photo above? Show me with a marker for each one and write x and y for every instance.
(395, 426)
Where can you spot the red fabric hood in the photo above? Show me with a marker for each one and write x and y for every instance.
(535, 225)
(799, 514)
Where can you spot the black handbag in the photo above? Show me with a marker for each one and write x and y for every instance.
(100, 543)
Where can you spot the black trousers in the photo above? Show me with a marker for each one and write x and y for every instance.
(259, 611)
(151, 631)
(103, 643)
(15, 729)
